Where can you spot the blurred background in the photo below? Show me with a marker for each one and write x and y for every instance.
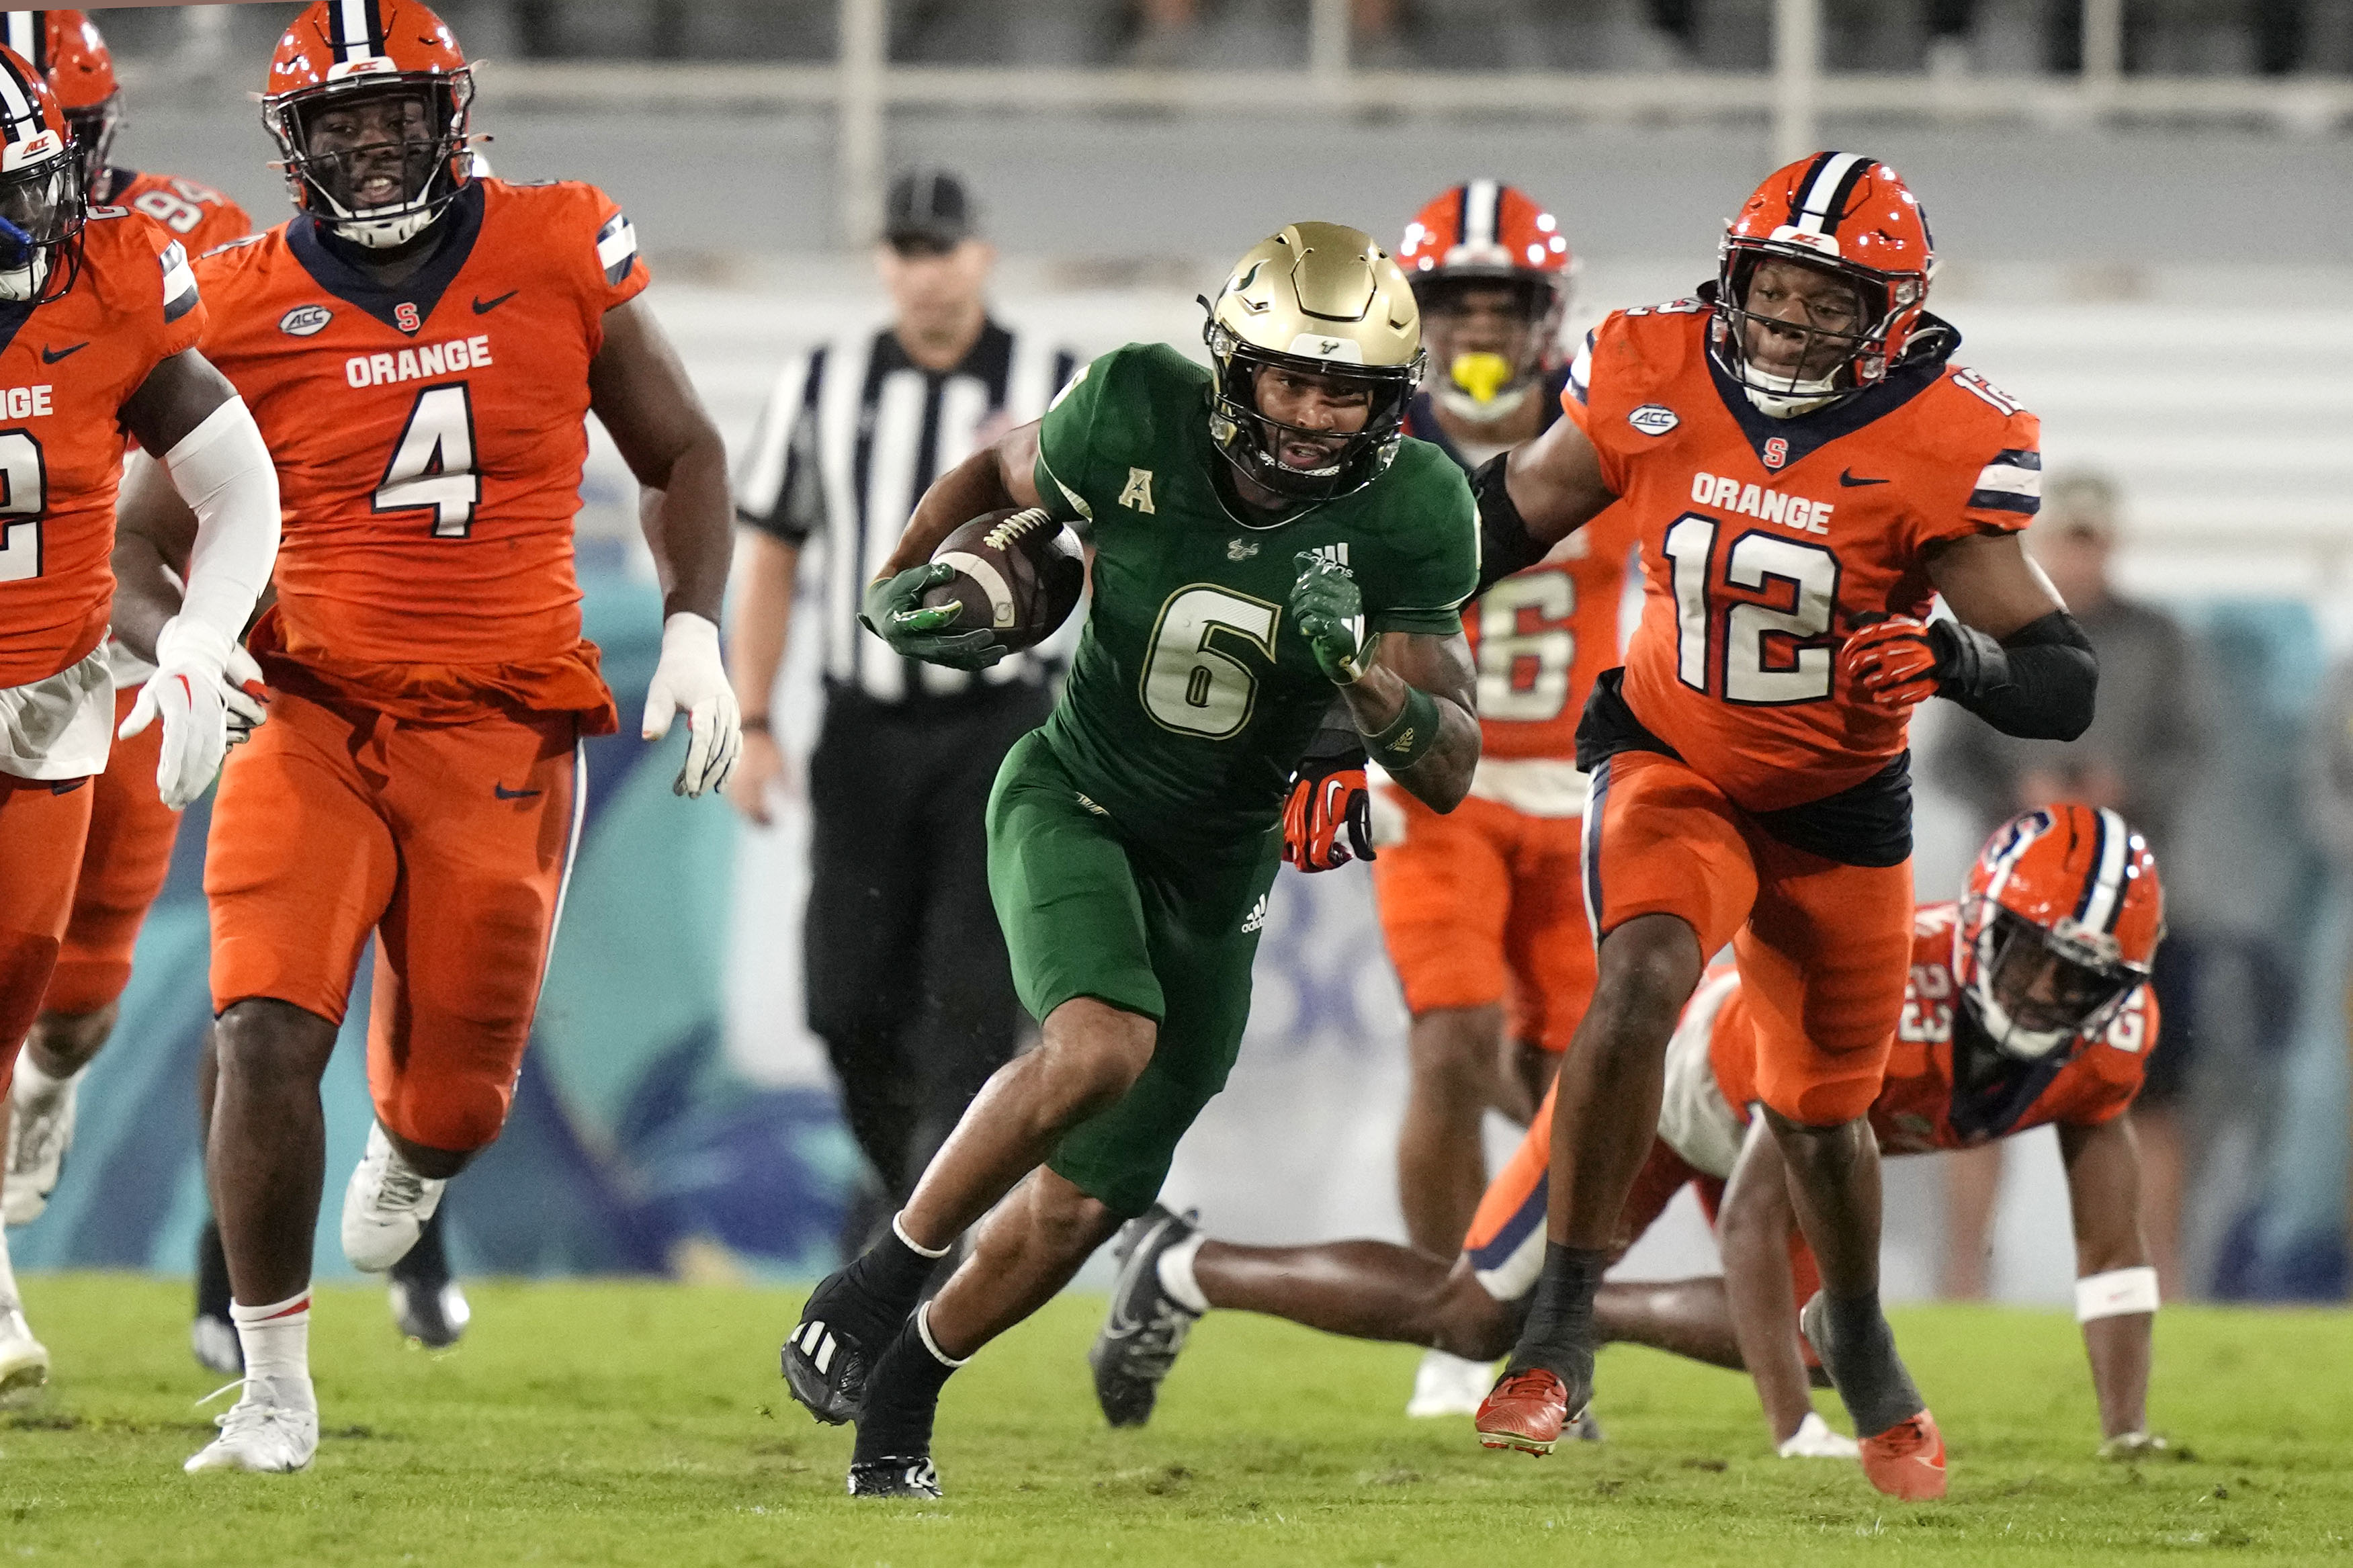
(2143, 210)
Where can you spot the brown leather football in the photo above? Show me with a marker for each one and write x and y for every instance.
(1018, 573)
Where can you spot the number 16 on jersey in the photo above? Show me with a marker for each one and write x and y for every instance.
(432, 463)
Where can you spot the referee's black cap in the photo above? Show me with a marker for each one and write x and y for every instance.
(927, 211)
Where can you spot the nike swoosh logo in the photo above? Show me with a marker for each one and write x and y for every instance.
(1846, 477)
(484, 307)
(51, 356)
(505, 794)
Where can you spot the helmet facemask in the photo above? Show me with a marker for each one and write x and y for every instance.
(422, 160)
(41, 215)
(92, 129)
(1252, 441)
(1834, 363)
(1488, 386)
(2033, 991)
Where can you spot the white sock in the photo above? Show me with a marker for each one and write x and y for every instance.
(277, 1343)
(36, 1089)
(1177, 1273)
(7, 1278)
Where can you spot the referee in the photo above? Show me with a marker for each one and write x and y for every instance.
(906, 976)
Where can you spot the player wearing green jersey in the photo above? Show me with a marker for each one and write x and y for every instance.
(1261, 534)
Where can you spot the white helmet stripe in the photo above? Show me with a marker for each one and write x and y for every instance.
(1483, 212)
(356, 28)
(16, 109)
(2103, 899)
(1817, 203)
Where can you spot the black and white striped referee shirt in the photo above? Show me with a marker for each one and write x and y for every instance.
(852, 435)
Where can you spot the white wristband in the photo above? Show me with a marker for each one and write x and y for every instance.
(2116, 1294)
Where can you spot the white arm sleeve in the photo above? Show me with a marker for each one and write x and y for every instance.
(224, 472)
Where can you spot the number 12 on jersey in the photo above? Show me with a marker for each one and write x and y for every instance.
(432, 463)
(1756, 672)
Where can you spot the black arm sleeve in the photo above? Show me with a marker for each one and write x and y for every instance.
(1505, 546)
(2037, 684)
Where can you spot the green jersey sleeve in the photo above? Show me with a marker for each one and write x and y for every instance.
(1429, 568)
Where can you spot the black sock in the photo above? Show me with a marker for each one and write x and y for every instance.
(891, 1274)
(426, 1266)
(1863, 1363)
(1559, 1335)
(213, 1293)
(902, 1397)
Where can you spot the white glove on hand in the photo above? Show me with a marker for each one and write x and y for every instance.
(243, 694)
(190, 694)
(690, 676)
(1813, 1439)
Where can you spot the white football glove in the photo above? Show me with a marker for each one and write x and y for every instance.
(190, 693)
(690, 676)
(1813, 1439)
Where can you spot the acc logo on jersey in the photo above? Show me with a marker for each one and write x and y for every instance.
(1653, 419)
(303, 320)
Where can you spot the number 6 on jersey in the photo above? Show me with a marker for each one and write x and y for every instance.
(432, 463)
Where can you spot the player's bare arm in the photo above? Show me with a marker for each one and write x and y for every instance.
(2104, 1194)
(1438, 669)
(1753, 1229)
(641, 391)
(1001, 474)
(1534, 497)
(755, 652)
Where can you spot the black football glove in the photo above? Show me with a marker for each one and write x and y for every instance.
(1329, 801)
(894, 610)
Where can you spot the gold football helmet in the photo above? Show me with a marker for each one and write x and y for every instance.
(1324, 299)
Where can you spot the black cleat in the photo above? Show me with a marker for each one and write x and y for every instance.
(900, 1475)
(1145, 1326)
(427, 1303)
(843, 1329)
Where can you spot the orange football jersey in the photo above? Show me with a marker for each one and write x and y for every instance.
(1540, 636)
(429, 439)
(1917, 1110)
(66, 367)
(1764, 540)
(198, 215)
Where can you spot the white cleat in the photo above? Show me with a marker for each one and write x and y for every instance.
(23, 1363)
(1449, 1385)
(386, 1206)
(260, 1434)
(1813, 1439)
(39, 1134)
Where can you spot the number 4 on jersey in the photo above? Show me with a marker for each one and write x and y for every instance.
(433, 463)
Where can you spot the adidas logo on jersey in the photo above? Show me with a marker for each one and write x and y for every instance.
(1761, 501)
(1337, 554)
(1256, 919)
(1088, 803)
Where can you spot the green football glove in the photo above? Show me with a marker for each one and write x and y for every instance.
(1326, 603)
(894, 610)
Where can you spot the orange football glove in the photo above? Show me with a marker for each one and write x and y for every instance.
(1330, 802)
(1894, 660)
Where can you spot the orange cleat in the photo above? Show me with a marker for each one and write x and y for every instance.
(1907, 1461)
(1525, 1410)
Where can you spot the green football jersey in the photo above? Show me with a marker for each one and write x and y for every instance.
(1192, 695)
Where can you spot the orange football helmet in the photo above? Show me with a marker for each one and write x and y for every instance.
(65, 48)
(1485, 233)
(341, 54)
(42, 207)
(2073, 887)
(1844, 213)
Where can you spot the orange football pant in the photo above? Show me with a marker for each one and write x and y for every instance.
(42, 826)
(1823, 949)
(124, 866)
(450, 842)
(1483, 903)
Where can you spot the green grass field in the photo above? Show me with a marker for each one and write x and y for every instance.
(645, 1423)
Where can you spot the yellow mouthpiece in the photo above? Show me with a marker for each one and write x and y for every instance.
(1482, 375)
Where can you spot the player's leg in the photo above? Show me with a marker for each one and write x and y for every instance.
(1823, 964)
(298, 867)
(1073, 913)
(42, 827)
(126, 860)
(1442, 893)
(486, 817)
(1668, 879)
(1548, 950)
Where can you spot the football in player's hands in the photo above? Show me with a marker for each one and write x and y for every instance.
(1018, 574)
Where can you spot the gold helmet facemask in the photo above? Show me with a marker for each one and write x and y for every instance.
(1323, 300)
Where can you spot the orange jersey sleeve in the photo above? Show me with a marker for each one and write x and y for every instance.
(66, 367)
(429, 440)
(1540, 636)
(195, 215)
(1763, 540)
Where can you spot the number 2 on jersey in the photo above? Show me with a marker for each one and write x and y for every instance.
(432, 463)
(23, 493)
(1798, 674)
